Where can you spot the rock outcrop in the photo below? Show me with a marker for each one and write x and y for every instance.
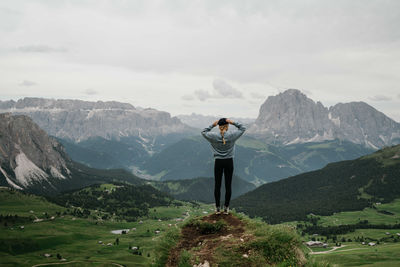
(28, 156)
(291, 117)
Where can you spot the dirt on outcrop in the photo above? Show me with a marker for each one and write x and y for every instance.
(206, 244)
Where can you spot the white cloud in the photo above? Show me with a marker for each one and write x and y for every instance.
(90, 91)
(187, 97)
(41, 49)
(27, 83)
(380, 98)
(202, 95)
(257, 95)
(221, 90)
(225, 90)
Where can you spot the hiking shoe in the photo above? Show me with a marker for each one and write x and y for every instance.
(226, 210)
(217, 210)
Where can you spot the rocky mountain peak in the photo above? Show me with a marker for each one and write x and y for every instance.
(27, 154)
(291, 117)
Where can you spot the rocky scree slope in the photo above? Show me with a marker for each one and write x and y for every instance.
(28, 155)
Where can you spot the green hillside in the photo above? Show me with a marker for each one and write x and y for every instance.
(201, 189)
(81, 176)
(343, 186)
(124, 201)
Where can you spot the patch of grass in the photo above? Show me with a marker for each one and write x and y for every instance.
(278, 245)
(373, 215)
(184, 260)
(381, 255)
(164, 246)
(206, 228)
(24, 204)
(314, 263)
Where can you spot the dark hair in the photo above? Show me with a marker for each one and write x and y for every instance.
(222, 121)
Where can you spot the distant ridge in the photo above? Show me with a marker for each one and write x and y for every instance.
(78, 120)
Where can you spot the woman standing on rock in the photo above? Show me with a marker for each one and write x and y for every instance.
(223, 147)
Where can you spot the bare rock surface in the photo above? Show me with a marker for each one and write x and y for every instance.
(291, 117)
(27, 154)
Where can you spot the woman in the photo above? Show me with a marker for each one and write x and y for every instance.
(223, 147)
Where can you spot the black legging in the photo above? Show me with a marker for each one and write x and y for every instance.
(223, 166)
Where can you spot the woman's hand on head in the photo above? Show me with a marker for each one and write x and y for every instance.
(229, 121)
(215, 123)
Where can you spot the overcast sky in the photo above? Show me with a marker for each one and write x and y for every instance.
(208, 57)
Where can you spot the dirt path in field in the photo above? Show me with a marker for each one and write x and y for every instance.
(325, 252)
(68, 262)
(206, 244)
(335, 248)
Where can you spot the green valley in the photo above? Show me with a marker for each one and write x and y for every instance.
(35, 231)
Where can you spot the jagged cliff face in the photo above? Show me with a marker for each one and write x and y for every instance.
(79, 120)
(28, 156)
(291, 117)
(361, 123)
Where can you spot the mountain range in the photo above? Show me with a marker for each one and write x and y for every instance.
(32, 161)
(291, 117)
(77, 120)
(292, 134)
(287, 118)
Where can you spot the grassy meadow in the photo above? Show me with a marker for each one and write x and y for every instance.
(386, 252)
(77, 240)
